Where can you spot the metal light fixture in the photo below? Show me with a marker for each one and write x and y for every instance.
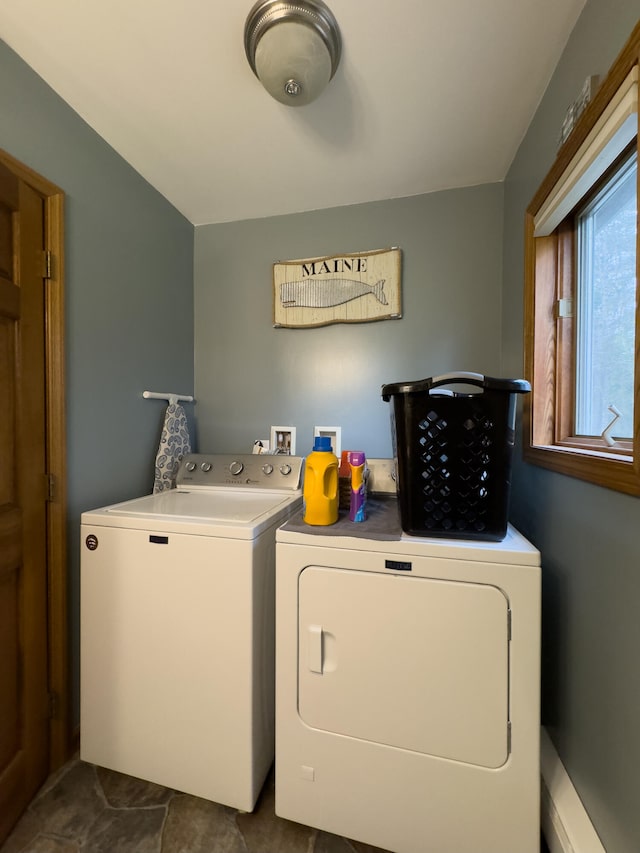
(293, 48)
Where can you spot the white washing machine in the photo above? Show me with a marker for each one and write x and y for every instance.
(408, 686)
(177, 627)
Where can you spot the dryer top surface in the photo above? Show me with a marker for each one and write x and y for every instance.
(382, 532)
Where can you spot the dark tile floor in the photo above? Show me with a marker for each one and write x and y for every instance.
(87, 809)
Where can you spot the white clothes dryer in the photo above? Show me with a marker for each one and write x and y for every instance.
(408, 686)
(177, 627)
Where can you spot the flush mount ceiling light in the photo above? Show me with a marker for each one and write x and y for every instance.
(293, 48)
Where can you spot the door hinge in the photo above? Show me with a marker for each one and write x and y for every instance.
(54, 705)
(47, 264)
(563, 308)
(51, 487)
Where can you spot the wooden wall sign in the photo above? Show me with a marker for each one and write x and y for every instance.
(352, 288)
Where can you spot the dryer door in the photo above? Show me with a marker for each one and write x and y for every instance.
(410, 662)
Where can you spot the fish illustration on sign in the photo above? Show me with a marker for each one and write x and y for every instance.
(318, 293)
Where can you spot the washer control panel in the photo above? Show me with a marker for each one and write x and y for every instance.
(240, 470)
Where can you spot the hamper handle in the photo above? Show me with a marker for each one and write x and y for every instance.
(457, 376)
(511, 386)
(517, 386)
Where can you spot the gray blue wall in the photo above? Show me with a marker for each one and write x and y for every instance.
(587, 535)
(129, 300)
(132, 276)
(250, 376)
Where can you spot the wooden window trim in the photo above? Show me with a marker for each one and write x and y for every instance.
(548, 410)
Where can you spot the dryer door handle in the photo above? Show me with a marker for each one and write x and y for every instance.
(314, 648)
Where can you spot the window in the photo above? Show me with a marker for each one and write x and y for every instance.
(581, 315)
(605, 305)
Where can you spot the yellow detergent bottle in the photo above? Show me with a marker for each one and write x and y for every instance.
(320, 490)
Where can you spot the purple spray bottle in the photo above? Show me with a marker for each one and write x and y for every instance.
(356, 459)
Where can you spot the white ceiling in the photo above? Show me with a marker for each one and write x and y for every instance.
(429, 95)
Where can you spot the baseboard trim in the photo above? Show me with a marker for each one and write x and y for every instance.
(565, 823)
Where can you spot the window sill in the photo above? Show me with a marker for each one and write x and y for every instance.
(619, 452)
(611, 470)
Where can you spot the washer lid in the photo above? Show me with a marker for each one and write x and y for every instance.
(212, 512)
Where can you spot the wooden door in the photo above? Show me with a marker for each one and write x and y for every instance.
(24, 714)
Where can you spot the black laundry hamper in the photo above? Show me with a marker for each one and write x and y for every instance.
(453, 454)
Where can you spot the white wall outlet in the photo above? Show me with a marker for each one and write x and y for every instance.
(334, 433)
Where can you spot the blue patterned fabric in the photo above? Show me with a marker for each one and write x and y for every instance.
(174, 444)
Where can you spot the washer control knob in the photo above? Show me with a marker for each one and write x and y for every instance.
(236, 468)
(267, 469)
(206, 467)
(190, 466)
(285, 469)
